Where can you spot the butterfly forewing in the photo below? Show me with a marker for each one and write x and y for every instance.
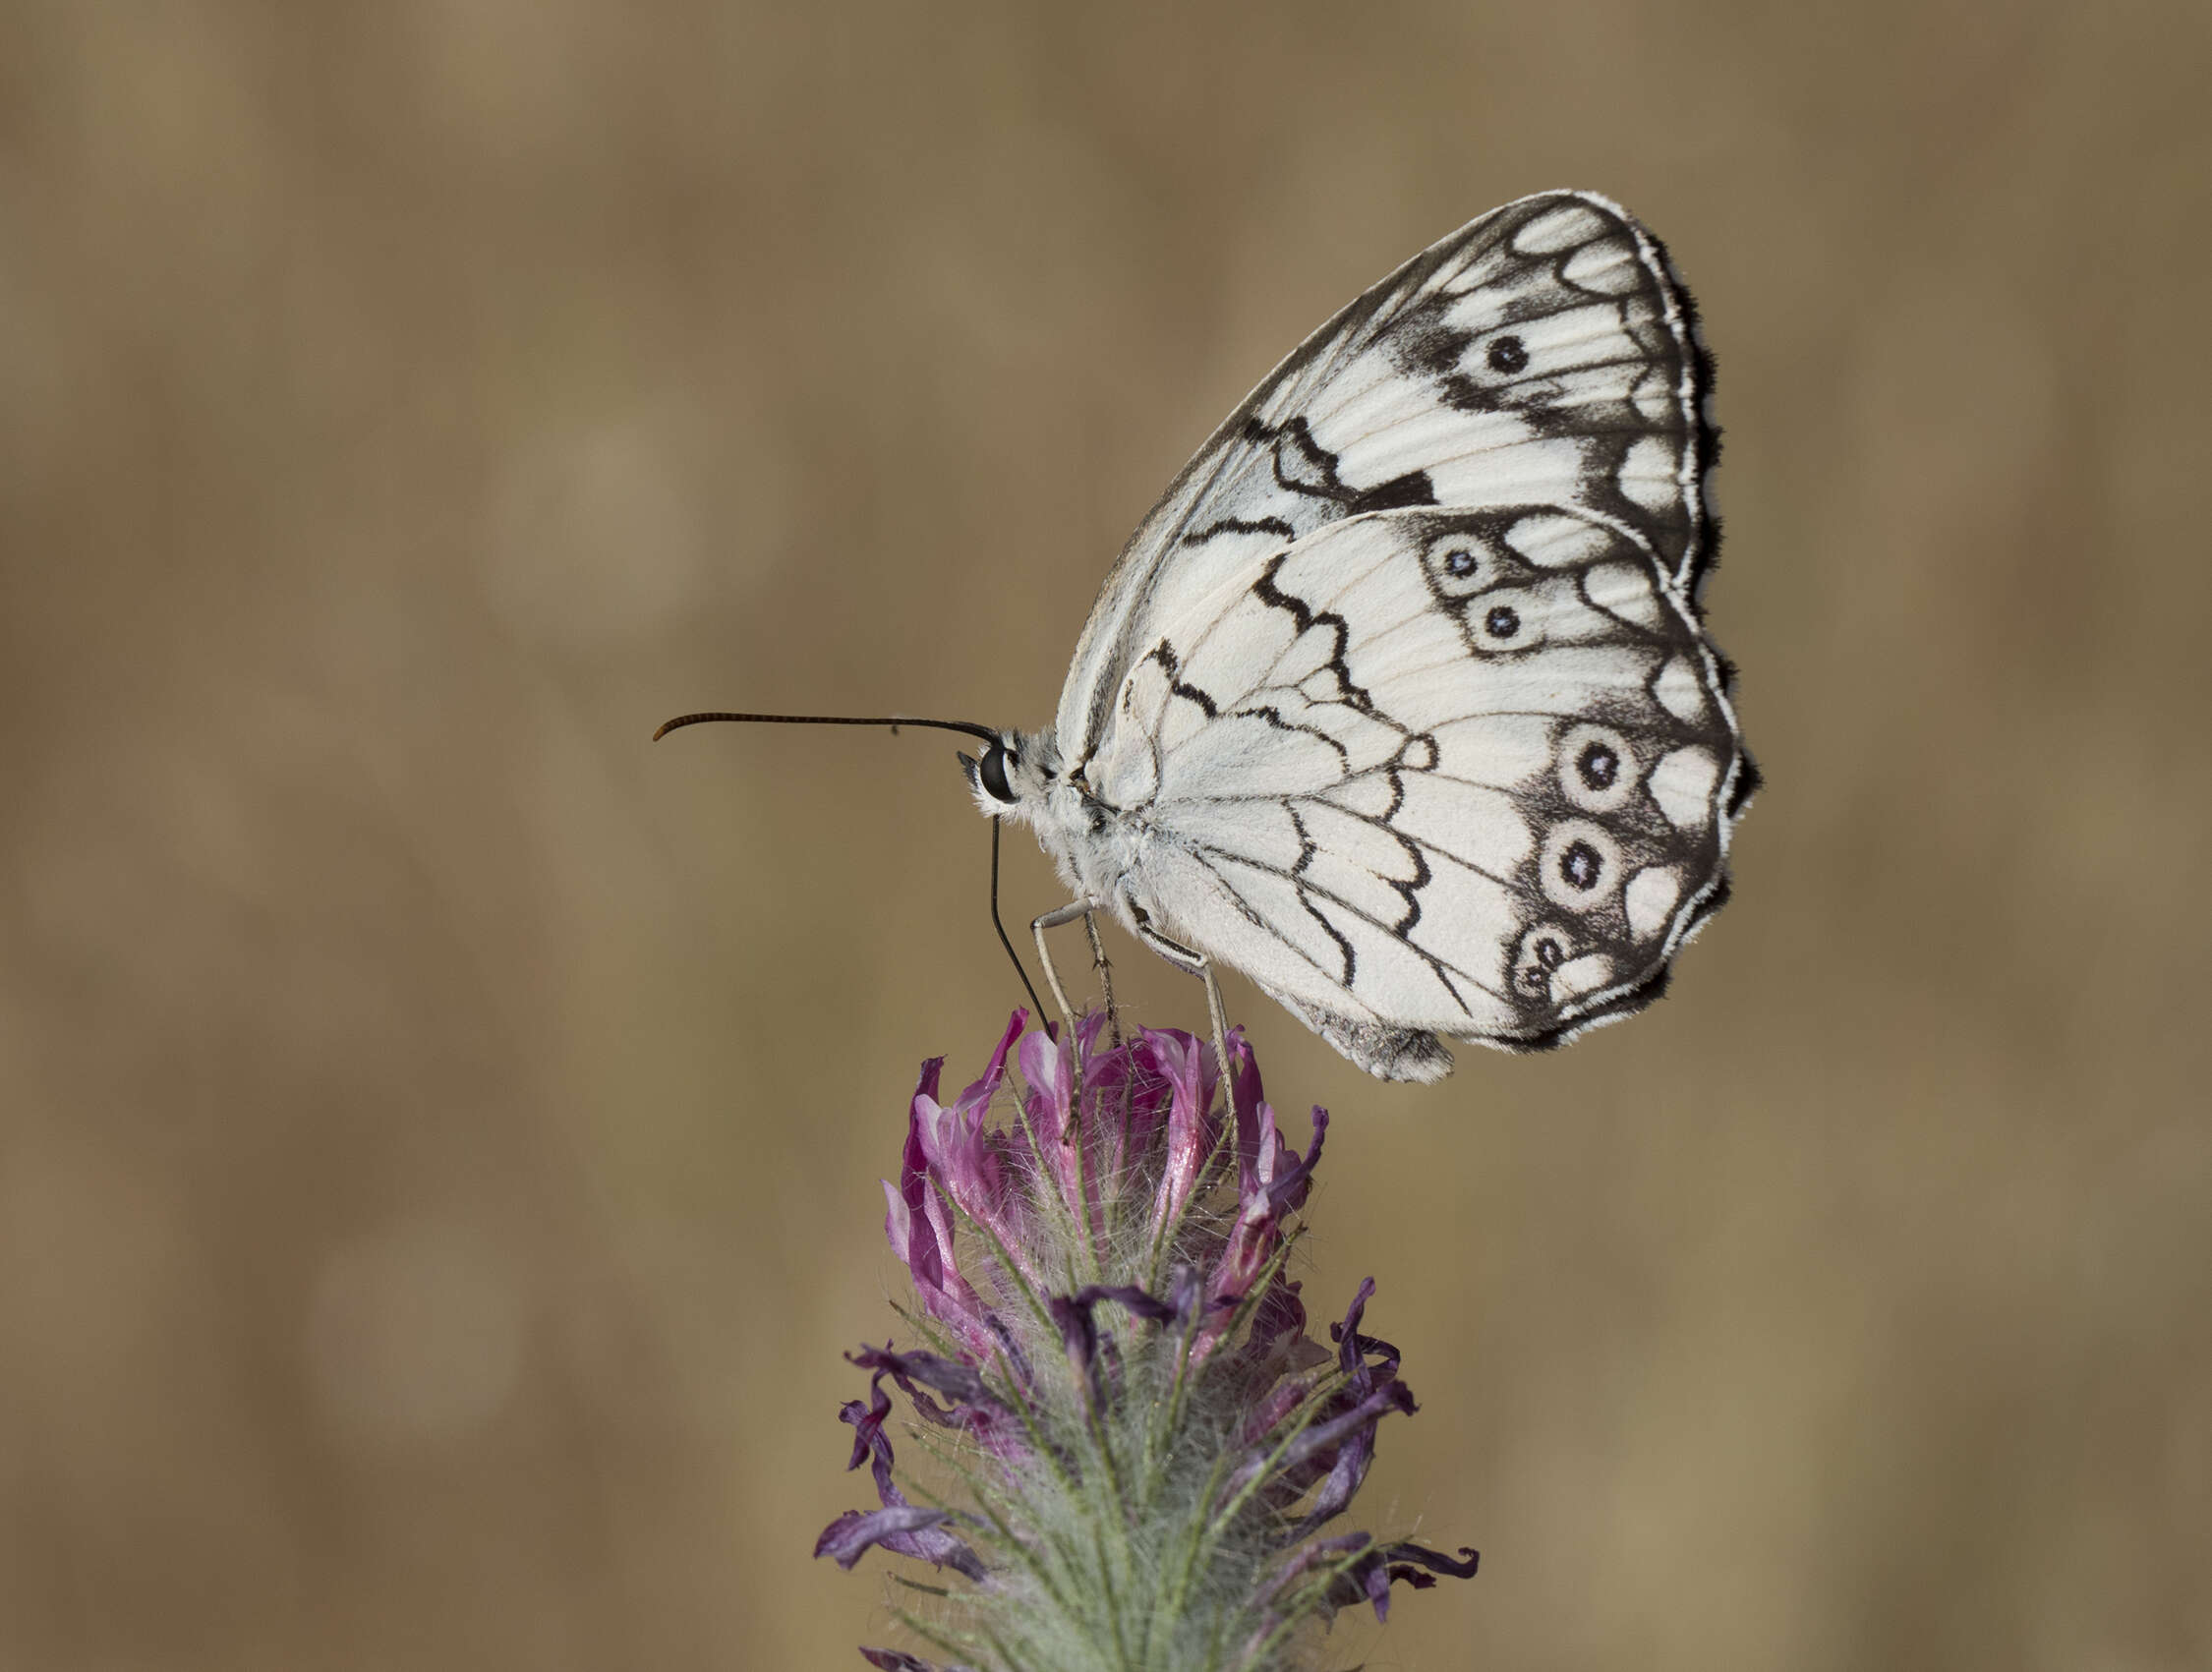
(1541, 355)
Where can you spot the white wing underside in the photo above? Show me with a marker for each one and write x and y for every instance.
(1403, 681)
(1594, 404)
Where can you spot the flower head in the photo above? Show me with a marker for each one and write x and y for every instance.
(1116, 1371)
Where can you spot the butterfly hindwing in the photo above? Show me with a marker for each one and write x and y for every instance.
(1541, 355)
(1431, 771)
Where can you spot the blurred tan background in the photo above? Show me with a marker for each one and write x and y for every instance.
(441, 1131)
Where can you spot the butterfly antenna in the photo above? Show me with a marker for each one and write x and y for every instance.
(895, 723)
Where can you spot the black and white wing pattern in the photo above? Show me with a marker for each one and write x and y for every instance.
(1543, 354)
(1404, 679)
(1436, 773)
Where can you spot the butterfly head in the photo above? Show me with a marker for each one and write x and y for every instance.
(1011, 777)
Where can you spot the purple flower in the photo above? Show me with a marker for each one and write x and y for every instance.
(1115, 1380)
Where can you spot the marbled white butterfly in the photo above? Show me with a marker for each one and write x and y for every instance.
(1398, 701)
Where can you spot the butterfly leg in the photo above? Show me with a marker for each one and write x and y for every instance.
(1053, 920)
(1105, 976)
(1193, 963)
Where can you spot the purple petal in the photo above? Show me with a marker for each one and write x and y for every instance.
(870, 1441)
(1273, 1192)
(1348, 1332)
(897, 1225)
(1280, 1313)
(1078, 1332)
(947, 1296)
(1391, 1396)
(1121, 1104)
(1370, 1579)
(956, 1143)
(1322, 1436)
(940, 1219)
(1078, 1329)
(948, 1376)
(994, 1431)
(977, 1097)
(898, 1526)
(1287, 1191)
(1275, 1407)
(1130, 1297)
(1044, 1069)
(1437, 1560)
(1177, 1058)
(1345, 1477)
(1088, 1026)
(1387, 1354)
(1352, 1354)
(1131, 1098)
(1366, 1579)
(1268, 1168)
(922, 1255)
(1377, 1586)
(949, 1145)
(894, 1660)
(905, 1530)
(1254, 1119)
(867, 1422)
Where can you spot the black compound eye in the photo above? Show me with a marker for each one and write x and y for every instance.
(992, 770)
(1508, 355)
(1502, 622)
(1580, 866)
(1598, 765)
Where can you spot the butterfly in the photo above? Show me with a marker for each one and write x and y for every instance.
(1399, 701)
